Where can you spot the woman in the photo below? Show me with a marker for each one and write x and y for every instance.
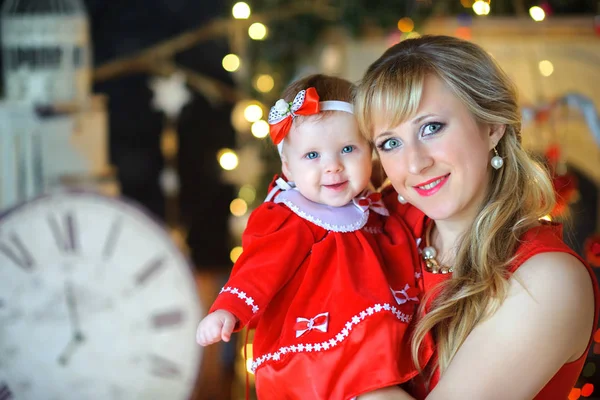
(511, 308)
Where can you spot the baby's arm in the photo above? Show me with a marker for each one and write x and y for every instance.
(388, 393)
(275, 242)
(216, 326)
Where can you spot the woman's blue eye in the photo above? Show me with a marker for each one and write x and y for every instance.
(348, 149)
(432, 128)
(389, 144)
(312, 155)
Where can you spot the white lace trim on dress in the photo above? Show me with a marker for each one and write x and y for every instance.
(351, 227)
(242, 296)
(333, 342)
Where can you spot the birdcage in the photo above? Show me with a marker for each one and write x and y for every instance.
(46, 51)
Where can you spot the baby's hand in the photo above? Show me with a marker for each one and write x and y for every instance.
(216, 326)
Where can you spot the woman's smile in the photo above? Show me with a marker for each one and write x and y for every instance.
(431, 186)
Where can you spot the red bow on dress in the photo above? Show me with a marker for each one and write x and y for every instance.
(372, 201)
(406, 294)
(282, 113)
(318, 322)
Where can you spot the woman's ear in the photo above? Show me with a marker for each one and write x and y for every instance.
(496, 133)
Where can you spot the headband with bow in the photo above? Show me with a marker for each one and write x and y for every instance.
(283, 113)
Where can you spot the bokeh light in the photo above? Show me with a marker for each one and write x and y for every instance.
(238, 207)
(575, 394)
(248, 193)
(464, 32)
(537, 13)
(589, 369)
(241, 10)
(406, 25)
(257, 31)
(253, 113)
(587, 390)
(546, 68)
(231, 62)
(249, 366)
(481, 7)
(264, 83)
(227, 159)
(597, 336)
(260, 129)
(235, 253)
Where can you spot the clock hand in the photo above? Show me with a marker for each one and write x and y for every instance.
(73, 316)
(65, 355)
(77, 337)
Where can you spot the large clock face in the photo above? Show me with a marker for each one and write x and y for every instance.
(96, 302)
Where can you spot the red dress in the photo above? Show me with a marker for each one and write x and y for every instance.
(541, 239)
(330, 320)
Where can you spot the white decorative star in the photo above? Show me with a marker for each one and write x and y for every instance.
(170, 94)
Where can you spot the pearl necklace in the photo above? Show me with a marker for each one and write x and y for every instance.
(429, 253)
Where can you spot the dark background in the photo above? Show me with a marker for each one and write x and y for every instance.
(122, 28)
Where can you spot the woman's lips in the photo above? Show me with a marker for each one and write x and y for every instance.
(431, 187)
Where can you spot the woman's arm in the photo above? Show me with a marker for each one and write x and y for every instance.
(545, 322)
(389, 393)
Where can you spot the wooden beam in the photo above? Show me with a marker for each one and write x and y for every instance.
(212, 89)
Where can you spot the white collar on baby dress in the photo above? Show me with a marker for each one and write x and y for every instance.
(348, 218)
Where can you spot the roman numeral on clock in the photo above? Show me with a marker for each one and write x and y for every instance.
(167, 319)
(64, 232)
(15, 251)
(163, 368)
(149, 270)
(111, 240)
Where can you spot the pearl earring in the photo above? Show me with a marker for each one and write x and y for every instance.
(401, 199)
(497, 161)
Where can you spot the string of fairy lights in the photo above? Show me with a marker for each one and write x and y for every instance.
(247, 115)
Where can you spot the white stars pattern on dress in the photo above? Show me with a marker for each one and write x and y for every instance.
(373, 230)
(242, 296)
(339, 338)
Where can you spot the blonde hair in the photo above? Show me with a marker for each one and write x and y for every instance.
(517, 195)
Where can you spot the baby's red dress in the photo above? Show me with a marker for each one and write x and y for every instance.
(331, 321)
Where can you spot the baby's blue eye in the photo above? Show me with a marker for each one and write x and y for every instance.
(312, 155)
(348, 149)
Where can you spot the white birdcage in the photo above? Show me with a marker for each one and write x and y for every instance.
(46, 51)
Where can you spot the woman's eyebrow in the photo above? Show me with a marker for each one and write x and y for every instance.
(418, 120)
